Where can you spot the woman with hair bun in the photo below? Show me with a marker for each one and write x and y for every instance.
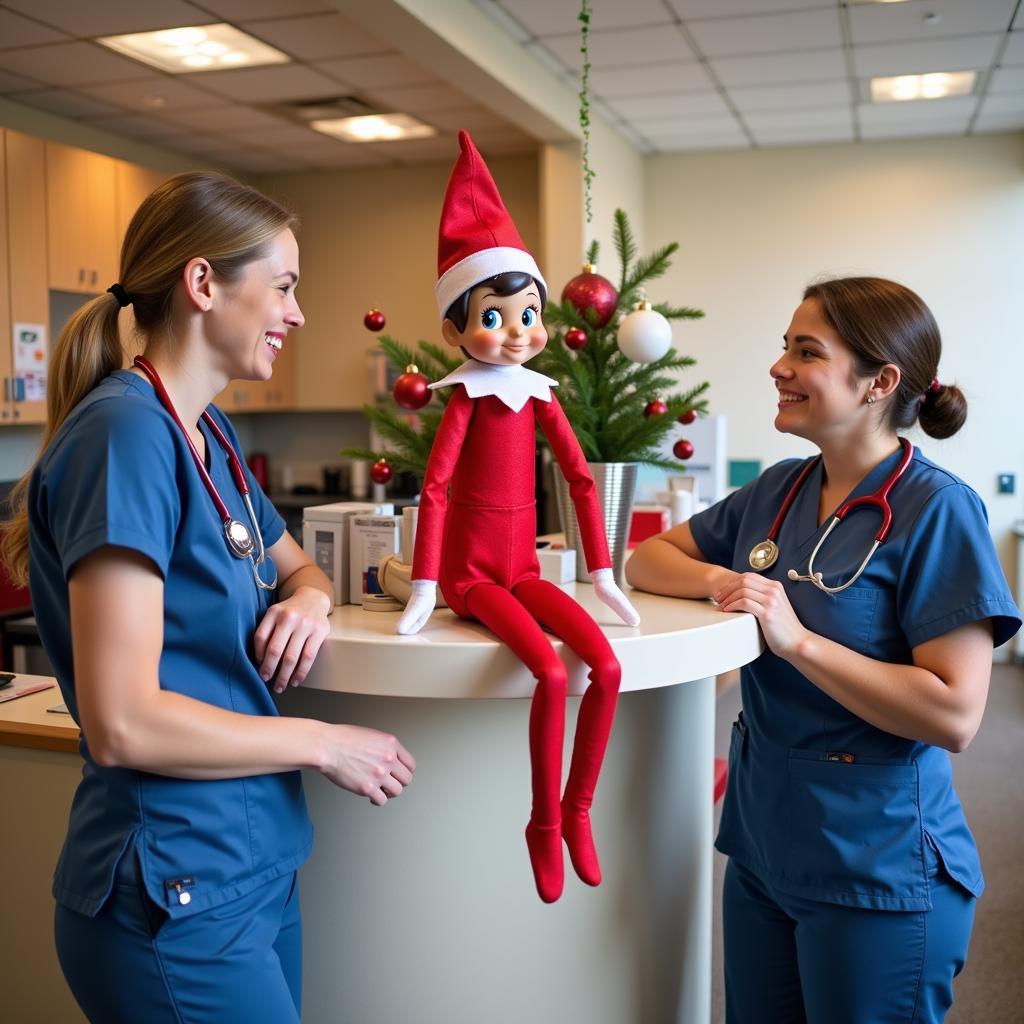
(852, 877)
(171, 601)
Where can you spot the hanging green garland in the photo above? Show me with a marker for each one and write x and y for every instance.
(588, 172)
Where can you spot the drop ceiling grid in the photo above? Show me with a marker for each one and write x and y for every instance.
(804, 61)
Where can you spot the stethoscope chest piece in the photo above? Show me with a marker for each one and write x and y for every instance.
(240, 541)
(763, 555)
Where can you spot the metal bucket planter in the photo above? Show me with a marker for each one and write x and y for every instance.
(615, 483)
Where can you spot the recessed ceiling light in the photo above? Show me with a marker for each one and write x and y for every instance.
(196, 48)
(933, 86)
(374, 128)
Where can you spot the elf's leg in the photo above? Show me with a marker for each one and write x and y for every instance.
(564, 617)
(497, 609)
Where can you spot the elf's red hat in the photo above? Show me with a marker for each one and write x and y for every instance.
(477, 238)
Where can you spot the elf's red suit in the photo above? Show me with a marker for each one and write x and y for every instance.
(479, 541)
(480, 544)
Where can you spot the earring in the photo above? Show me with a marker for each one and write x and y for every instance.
(871, 399)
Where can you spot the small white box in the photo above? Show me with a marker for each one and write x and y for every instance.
(557, 565)
(371, 538)
(325, 538)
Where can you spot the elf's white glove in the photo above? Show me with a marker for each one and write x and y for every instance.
(608, 591)
(421, 604)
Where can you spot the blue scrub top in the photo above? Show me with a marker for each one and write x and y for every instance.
(119, 472)
(819, 802)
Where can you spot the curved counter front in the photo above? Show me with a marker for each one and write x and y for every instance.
(425, 910)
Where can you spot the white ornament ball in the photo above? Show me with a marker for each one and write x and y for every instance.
(644, 336)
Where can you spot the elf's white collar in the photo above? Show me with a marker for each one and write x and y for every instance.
(512, 384)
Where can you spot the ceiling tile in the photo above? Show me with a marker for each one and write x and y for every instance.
(281, 137)
(805, 96)
(197, 142)
(386, 71)
(70, 64)
(421, 100)
(720, 8)
(1014, 52)
(542, 17)
(227, 118)
(917, 129)
(472, 119)
(835, 118)
(66, 103)
(112, 17)
(689, 104)
(15, 83)
(885, 23)
(1009, 103)
(795, 30)
(999, 123)
(615, 48)
(810, 135)
(18, 31)
(266, 85)
(414, 151)
(1007, 80)
(642, 79)
(317, 36)
(917, 111)
(776, 68)
(666, 126)
(142, 94)
(961, 53)
(692, 141)
(235, 10)
(139, 126)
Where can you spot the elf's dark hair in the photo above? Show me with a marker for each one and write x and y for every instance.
(501, 284)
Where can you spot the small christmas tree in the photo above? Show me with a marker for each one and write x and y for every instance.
(621, 410)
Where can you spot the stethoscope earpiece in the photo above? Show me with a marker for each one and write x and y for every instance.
(793, 575)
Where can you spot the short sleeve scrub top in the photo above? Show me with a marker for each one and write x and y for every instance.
(821, 804)
(119, 473)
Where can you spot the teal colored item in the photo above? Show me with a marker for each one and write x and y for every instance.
(743, 471)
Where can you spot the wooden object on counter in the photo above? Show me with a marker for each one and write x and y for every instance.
(25, 722)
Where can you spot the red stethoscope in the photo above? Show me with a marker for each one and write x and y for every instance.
(764, 554)
(239, 537)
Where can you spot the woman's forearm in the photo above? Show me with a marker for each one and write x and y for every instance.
(659, 567)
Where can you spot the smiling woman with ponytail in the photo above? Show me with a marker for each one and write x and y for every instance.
(176, 889)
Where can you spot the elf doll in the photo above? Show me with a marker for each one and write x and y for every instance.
(479, 540)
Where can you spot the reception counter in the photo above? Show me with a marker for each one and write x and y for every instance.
(425, 910)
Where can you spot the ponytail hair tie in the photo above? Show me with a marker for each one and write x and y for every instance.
(123, 298)
(933, 389)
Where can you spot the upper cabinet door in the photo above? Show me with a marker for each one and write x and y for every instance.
(134, 183)
(82, 222)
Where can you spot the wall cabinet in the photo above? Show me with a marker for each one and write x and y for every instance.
(132, 184)
(24, 250)
(82, 224)
(274, 395)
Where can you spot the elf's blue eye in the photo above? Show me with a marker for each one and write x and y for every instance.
(491, 319)
(529, 317)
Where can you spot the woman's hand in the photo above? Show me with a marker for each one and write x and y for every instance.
(290, 635)
(367, 762)
(766, 600)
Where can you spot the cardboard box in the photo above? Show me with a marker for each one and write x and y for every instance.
(370, 539)
(557, 564)
(325, 538)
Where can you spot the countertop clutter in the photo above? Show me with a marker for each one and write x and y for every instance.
(27, 722)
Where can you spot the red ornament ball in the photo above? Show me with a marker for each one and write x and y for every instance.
(688, 417)
(381, 472)
(374, 320)
(655, 408)
(682, 450)
(411, 390)
(575, 338)
(592, 292)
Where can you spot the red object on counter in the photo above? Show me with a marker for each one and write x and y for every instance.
(258, 466)
(648, 521)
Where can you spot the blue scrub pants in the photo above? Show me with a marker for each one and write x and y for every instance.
(790, 960)
(237, 963)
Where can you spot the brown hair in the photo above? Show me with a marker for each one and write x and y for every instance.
(885, 322)
(194, 214)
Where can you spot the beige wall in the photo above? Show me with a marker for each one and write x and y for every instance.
(944, 216)
(369, 238)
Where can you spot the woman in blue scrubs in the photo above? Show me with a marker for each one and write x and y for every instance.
(176, 889)
(852, 879)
